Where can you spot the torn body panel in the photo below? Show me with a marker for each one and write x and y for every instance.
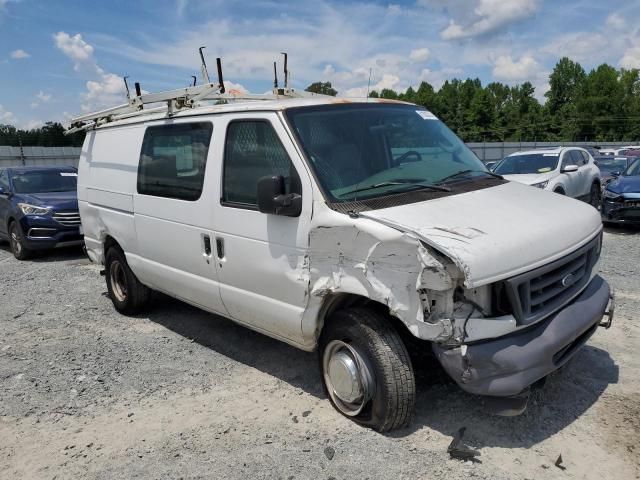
(364, 258)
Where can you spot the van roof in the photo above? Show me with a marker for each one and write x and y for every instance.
(250, 106)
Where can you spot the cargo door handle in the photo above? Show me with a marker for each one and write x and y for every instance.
(220, 247)
(207, 245)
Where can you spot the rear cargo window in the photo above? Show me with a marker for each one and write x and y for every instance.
(173, 160)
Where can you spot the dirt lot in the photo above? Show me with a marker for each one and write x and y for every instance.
(87, 393)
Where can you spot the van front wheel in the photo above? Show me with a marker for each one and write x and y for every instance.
(128, 295)
(366, 369)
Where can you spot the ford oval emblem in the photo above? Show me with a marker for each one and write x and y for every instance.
(568, 280)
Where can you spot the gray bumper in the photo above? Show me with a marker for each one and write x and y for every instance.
(508, 365)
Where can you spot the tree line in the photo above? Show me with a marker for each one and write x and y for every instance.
(602, 105)
(51, 134)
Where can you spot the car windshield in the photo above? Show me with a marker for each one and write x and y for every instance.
(527, 163)
(609, 165)
(370, 150)
(633, 170)
(45, 181)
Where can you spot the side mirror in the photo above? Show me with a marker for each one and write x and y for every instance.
(569, 169)
(616, 174)
(4, 192)
(273, 200)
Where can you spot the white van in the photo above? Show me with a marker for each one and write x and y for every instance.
(351, 228)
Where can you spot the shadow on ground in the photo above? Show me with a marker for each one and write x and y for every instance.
(56, 255)
(616, 229)
(441, 405)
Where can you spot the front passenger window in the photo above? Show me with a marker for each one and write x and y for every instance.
(4, 180)
(253, 150)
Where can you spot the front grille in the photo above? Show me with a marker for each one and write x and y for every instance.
(69, 219)
(540, 292)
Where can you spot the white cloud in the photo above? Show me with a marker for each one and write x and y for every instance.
(43, 97)
(31, 124)
(506, 69)
(19, 54)
(631, 58)
(419, 54)
(488, 15)
(107, 91)
(616, 21)
(590, 47)
(6, 116)
(234, 88)
(77, 50)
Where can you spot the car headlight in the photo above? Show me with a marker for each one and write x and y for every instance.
(33, 209)
(540, 184)
(609, 195)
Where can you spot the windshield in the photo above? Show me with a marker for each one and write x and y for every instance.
(609, 165)
(45, 181)
(527, 163)
(633, 170)
(365, 151)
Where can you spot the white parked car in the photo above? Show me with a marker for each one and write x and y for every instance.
(569, 171)
(348, 228)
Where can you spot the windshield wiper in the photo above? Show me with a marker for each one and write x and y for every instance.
(404, 182)
(465, 172)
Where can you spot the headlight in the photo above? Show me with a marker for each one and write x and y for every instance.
(541, 184)
(33, 210)
(608, 194)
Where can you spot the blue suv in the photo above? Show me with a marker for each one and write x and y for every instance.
(39, 208)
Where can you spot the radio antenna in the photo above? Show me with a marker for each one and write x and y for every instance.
(194, 80)
(220, 80)
(126, 86)
(203, 67)
(275, 76)
(286, 72)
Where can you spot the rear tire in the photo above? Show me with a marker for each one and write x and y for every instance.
(16, 241)
(128, 295)
(366, 369)
(559, 191)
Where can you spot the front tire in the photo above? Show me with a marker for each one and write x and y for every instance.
(594, 196)
(128, 295)
(366, 369)
(16, 241)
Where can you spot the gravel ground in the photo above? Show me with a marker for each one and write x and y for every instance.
(88, 393)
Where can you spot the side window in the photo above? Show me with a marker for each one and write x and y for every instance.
(4, 180)
(585, 157)
(173, 160)
(253, 150)
(577, 157)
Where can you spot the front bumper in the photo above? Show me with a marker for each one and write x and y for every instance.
(41, 233)
(508, 365)
(621, 212)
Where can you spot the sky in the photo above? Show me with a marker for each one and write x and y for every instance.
(59, 58)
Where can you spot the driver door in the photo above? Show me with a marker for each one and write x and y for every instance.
(4, 202)
(571, 179)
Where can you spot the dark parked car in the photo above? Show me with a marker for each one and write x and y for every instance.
(621, 197)
(39, 208)
(611, 167)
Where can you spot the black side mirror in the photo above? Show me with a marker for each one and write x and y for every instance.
(273, 199)
(616, 174)
(4, 192)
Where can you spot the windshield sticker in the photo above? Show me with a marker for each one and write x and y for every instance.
(68, 174)
(544, 170)
(426, 114)
(549, 154)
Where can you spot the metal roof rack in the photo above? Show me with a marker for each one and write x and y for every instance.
(180, 99)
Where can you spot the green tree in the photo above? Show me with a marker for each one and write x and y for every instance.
(323, 88)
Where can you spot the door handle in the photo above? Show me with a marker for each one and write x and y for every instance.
(220, 247)
(207, 245)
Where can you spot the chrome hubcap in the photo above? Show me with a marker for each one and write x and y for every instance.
(118, 282)
(347, 376)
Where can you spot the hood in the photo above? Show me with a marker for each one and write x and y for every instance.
(497, 232)
(530, 178)
(54, 200)
(625, 185)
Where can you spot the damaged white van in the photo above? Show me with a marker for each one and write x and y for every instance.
(344, 227)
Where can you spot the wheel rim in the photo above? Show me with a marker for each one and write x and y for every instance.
(15, 242)
(118, 281)
(347, 377)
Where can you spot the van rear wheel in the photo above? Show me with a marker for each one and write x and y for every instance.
(128, 295)
(366, 369)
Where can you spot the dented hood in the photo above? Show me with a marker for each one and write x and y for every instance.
(497, 232)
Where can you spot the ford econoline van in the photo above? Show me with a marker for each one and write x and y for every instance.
(354, 228)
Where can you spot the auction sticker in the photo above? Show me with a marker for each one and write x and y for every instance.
(426, 114)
